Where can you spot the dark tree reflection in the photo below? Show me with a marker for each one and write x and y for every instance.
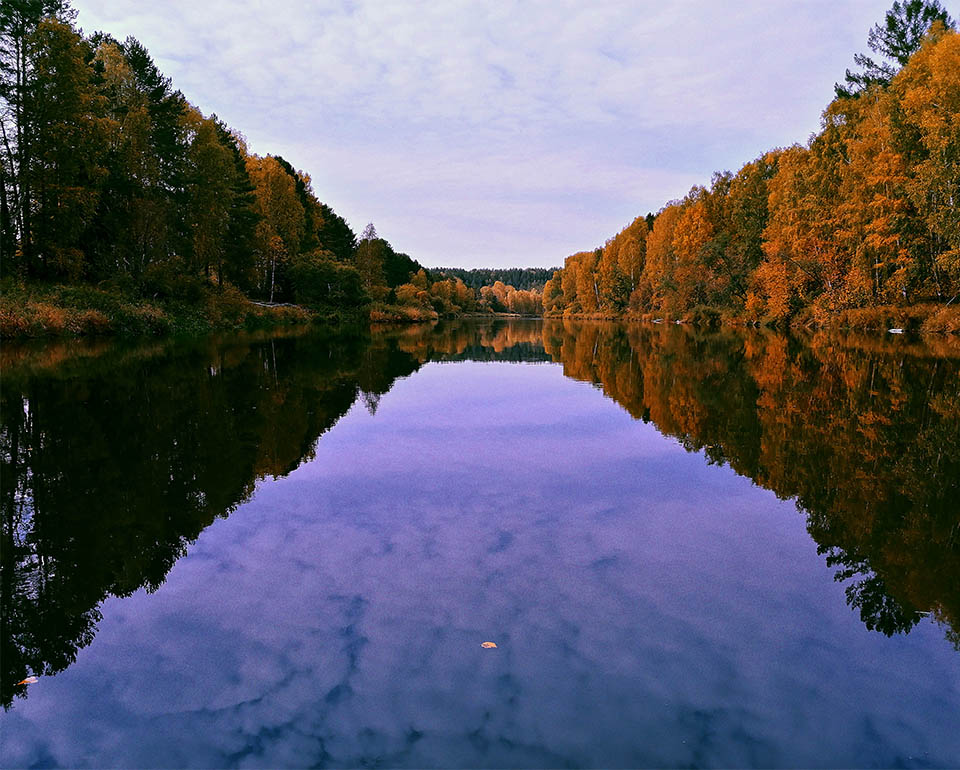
(113, 465)
(114, 459)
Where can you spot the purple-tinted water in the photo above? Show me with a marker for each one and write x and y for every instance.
(649, 609)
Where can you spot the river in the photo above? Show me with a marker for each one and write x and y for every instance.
(690, 548)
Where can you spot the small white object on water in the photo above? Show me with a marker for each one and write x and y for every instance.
(895, 331)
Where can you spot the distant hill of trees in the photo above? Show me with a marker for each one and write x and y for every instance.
(521, 278)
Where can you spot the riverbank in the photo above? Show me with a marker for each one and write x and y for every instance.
(391, 314)
(32, 311)
(924, 318)
(71, 311)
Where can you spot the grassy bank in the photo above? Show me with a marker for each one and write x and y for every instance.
(65, 311)
(384, 313)
(931, 318)
(927, 318)
(56, 310)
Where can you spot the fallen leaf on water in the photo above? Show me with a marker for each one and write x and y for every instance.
(34, 680)
(488, 645)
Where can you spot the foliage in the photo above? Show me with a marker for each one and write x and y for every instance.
(108, 176)
(863, 216)
(190, 306)
(319, 280)
(524, 278)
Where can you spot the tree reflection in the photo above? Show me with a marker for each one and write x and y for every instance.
(114, 459)
(113, 465)
(865, 435)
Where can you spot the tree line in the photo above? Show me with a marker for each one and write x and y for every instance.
(109, 176)
(864, 214)
(521, 278)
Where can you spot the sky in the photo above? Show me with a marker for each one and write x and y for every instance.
(501, 134)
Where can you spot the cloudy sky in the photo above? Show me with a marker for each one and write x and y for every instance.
(502, 133)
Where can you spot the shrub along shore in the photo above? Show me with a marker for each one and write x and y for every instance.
(63, 310)
(923, 318)
(73, 311)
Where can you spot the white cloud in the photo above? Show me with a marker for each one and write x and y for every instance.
(437, 120)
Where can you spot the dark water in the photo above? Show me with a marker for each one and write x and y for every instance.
(691, 549)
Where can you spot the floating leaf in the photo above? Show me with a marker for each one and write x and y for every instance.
(488, 645)
(34, 680)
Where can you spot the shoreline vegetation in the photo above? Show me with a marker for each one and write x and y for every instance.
(858, 228)
(32, 311)
(922, 318)
(59, 311)
(125, 210)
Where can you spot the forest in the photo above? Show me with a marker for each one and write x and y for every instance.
(859, 226)
(121, 203)
(525, 278)
(124, 208)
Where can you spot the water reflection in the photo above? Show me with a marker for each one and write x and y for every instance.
(116, 458)
(864, 435)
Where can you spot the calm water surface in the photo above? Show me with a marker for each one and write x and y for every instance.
(691, 549)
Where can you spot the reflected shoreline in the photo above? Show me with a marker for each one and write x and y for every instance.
(117, 456)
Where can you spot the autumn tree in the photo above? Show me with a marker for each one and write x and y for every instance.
(691, 237)
(587, 280)
(569, 283)
(632, 252)
(895, 41)
(747, 216)
(280, 228)
(661, 256)
(928, 89)
(552, 301)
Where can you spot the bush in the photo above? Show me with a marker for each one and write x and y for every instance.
(88, 298)
(170, 279)
(401, 313)
(36, 318)
(946, 320)
(142, 319)
(318, 280)
(703, 315)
